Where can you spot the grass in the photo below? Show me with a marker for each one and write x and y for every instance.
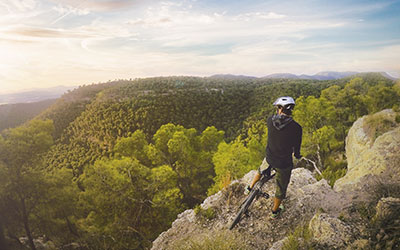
(378, 124)
(384, 233)
(301, 238)
(220, 183)
(222, 240)
(207, 214)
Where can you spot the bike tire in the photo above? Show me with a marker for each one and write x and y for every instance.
(243, 208)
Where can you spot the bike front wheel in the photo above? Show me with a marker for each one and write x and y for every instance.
(243, 208)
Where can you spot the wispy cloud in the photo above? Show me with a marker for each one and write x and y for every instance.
(39, 32)
(68, 10)
(99, 5)
(62, 10)
(19, 5)
(259, 15)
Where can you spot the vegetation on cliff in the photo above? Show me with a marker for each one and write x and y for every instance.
(116, 162)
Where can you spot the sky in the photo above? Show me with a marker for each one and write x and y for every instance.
(45, 43)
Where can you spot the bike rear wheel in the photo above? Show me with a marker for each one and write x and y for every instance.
(243, 208)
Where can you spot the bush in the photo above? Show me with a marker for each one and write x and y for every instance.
(208, 213)
(397, 119)
(335, 169)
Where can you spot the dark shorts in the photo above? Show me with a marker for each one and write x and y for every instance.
(282, 178)
(282, 181)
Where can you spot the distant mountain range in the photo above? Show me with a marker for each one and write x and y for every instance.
(325, 75)
(56, 92)
(35, 95)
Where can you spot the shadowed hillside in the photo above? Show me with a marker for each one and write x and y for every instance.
(12, 115)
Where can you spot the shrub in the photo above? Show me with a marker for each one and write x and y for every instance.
(208, 213)
(397, 119)
(335, 169)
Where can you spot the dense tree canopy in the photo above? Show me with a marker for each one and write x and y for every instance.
(23, 186)
(118, 161)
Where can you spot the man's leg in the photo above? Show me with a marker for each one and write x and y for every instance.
(277, 203)
(256, 178)
(282, 182)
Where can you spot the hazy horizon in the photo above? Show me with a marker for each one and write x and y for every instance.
(47, 43)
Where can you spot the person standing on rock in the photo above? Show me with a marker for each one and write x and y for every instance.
(284, 140)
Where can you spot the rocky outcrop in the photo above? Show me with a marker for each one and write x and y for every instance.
(372, 150)
(41, 243)
(305, 197)
(388, 208)
(373, 154)
(331, 232)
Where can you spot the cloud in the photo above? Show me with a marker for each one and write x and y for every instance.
(19, 5)
(15, 41)
(98, 5)
(39, 32)
(63, 10)
(139, 38)
(112, 5)
(150, 21)
(85, 7)
(259, 15)
(173, 15)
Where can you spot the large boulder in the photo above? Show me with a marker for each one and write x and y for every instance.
(306, 195)
(373, 151)
(329, 231)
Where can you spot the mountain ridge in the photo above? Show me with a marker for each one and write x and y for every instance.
(323, 75)
(34, 95)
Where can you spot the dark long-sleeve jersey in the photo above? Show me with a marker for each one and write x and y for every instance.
(283, 142)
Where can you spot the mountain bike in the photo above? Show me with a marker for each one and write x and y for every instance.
(255, 193)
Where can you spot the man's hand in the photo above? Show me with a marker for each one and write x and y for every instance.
(298, 157)
(297, 161)
(247, 190)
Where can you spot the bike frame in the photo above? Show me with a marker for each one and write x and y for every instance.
(255, 193)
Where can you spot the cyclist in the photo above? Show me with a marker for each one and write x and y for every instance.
(284, 139)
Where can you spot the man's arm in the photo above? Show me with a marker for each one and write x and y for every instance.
(297, 144)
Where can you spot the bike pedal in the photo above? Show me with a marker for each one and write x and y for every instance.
(265, 195)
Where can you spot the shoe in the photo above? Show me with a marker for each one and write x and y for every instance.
(275, 214)
(247, 190)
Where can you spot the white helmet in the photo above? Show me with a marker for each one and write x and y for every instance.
(286, 102)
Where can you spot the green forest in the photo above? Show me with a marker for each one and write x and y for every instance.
(12, 115)
(111, 165)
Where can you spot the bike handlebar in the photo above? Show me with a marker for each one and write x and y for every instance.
(312, 163)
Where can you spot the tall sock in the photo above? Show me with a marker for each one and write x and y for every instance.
(277, 202)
